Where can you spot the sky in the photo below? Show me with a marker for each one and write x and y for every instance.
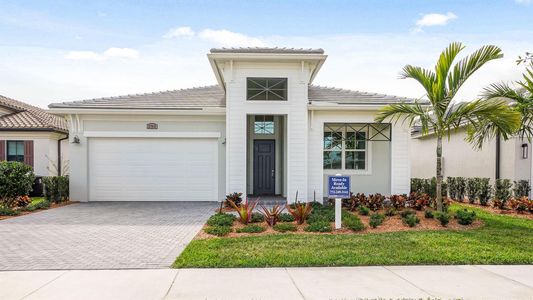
(53, 51)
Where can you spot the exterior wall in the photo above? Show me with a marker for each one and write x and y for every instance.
(44, 149)
(79, 184)
(295, 110)
(383, 175)
(461, 159)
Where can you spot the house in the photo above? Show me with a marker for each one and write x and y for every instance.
(32, 135)
(263, 130)
(510, 159)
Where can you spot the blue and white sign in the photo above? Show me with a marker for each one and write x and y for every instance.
(339, 186)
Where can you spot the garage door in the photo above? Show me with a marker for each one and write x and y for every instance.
(153, 169)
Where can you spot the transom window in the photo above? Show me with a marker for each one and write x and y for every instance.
(266, 89)
(15, 151)
(264, 125)
(345, 147)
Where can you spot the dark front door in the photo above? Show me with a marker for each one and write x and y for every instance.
(264, 167)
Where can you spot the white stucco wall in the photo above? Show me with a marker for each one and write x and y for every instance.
(137, 123)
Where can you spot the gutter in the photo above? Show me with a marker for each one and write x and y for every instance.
(498, 154)
(59, 154)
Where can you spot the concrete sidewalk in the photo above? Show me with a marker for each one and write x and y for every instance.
(407, 282)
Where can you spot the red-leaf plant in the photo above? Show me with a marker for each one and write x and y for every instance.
(244, 210)
(272, 215)
(300, 212)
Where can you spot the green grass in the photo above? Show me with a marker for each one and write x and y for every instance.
(36, 200)
(502, 240)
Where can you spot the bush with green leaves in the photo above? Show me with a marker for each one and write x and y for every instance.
(465, 217)
(389, 212)
(428, 214)
(8, 211)
(257, 217)
(363, 210)
(218, 230)
(352, 221)
(443, 218)
(502, 190)
(56, 188)
(221, 219)
(452, 187)
(521, 188)
(284, 227)
(417, 185)
(326, 213)
(320, 226)
(411, 220)
(484, 191)
(251, 228)
(376, 220)
(407, 212)
(471, 189)
(286, 217)
(16, 179)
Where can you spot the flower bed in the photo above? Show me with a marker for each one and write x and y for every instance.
(37, 204)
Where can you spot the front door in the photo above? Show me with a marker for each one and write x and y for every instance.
(264, 167)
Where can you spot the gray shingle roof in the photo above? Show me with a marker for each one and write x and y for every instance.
(28, 117)
(267, 50)
(213, 96)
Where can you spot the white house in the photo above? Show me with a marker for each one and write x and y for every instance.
(31, 135)
(263, 130)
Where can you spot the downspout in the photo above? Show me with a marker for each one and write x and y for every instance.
(498, 154)
(59, 154)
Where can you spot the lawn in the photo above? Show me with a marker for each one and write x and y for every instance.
(36, 200)
(502, 240)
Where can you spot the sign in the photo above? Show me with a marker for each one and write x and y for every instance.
(339, 186)
(151, 126)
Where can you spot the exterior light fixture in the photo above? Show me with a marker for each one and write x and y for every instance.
(524, 151)
(75, 140)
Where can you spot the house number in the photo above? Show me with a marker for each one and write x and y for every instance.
(151, 126)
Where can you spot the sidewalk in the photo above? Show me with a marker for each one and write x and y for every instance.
(445, 282)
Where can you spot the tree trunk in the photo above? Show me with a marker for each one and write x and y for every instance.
(438, 196)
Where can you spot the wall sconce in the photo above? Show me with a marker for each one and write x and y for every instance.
(524, 151)
(75, 140)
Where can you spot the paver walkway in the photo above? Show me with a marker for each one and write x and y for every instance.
(101, 235)
(402, 282)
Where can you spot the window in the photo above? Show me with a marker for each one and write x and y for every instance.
(266, 89)
(15, 151)
(264, 125)
(345, 147)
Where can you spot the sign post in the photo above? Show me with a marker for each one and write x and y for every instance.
(338, 188)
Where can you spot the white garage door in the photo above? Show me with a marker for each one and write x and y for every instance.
(153, 169)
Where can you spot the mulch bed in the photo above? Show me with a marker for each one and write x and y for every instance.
(497, 211)
(54, 205)
(390, 224)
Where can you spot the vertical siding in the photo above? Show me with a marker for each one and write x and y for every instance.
(400, 164)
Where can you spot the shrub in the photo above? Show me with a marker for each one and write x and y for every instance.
(320, 226)
(56, 188)
(521, 205)
(502, 190)
(421, 201)
(390, 212)
(465, 217)
(411, 220)
(460, 183)
(41, 205)
(244, 210)
(7, 211)
(257, 217)
(271, 216)
(284, 227)
(484, 191)
(398, 201)
(218, 230)
(326, 213)
(471, 189)
(428, 214)
(417, 185)
(236, 198)
(16, 179)
(22, 201)
(221, 219)
(521, 188)
(364, 211)
(376, 220)
(356, 200)
(300, 211)
(444, 218)
(286, 217)
(251, 228)
(352, 221)
(316, 205)
(375, 202)
(407, 212)
(452, 187)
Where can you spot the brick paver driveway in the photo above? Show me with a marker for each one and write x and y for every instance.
(108, 235)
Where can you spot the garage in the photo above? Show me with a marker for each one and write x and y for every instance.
(152, 169)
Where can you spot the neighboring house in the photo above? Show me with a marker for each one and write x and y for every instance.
(31, 135)
(509, 159)
(263, 130)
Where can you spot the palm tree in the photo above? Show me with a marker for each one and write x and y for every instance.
(441, 114)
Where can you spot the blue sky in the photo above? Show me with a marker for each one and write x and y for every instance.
(68, 50)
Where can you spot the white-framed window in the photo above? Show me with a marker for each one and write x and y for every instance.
(345, 147)
(266, 89)
(264, 125)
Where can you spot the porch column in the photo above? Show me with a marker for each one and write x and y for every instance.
(400, 166)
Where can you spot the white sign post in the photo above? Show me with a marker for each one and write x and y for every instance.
(339, 187)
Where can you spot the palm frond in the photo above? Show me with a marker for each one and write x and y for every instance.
(468, 65)
(443, 67)
(412, 113)
(424, 76)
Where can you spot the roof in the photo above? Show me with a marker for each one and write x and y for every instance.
(275, 50)
(213, 96)
(28, 117)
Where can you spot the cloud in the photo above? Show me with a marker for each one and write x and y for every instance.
(225, 37)
(434, 19)
(524, 2)
(184, 31)
(112, 52)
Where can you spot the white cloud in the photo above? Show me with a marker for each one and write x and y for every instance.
(121, 53)
(184, 31)
(112, 52)
(524, 2)
(434, 19)
(228, 38)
